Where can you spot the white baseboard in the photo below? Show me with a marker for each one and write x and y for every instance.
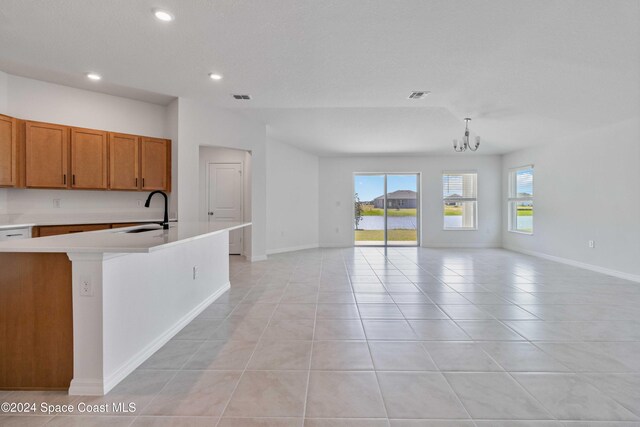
(87, 388)
(334, 245)
(100, 388)
(448, 245)
(596, 268)
(256, 258)
(292, 248)
(424, 245)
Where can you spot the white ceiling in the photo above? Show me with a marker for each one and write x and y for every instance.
(333, 76)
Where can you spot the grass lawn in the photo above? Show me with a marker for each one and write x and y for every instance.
(393, 235)
(457, 211)
(525, 211)
(453, 211)
(369, 210)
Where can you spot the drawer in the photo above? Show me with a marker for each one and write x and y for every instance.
(126, 224)
(15, 234)
(54, 230)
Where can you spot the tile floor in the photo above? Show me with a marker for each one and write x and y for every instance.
(399, 337)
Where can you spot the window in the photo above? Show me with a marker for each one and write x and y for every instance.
(459, 200)
(521, 200)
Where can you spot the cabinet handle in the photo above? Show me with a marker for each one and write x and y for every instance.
(64, 179)
(13, 235)
(136, 182)
(142, 182)
(73, 179)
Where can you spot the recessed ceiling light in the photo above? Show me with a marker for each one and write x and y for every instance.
(215, 76)
(163, 15)
(94, 76)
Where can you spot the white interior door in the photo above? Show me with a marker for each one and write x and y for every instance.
(225, 199)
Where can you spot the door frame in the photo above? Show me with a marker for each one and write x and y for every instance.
(385, 244)
(208, 190)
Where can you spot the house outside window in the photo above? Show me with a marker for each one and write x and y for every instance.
(459, 200)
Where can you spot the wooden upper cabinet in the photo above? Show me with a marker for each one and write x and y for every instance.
(155, 163)
(124, 162)
(46, 155)
(88, 159)
(8, 152)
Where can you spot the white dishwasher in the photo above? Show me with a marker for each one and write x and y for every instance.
(15, 233)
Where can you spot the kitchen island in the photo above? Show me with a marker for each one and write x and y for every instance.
(82, 311)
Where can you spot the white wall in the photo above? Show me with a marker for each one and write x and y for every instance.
(585, 188)
(3, 110)
(172, 133)
(200, 124)
(4, 96)
(292, 198)
(37, 100)
(336, 197)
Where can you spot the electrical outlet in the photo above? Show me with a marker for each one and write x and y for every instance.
(86, 289)
(195, 272)
(337, 230)
(592, 244)
(139, 203)
(56, 203)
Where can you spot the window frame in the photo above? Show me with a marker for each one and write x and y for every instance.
(513, 199)
(445, 200)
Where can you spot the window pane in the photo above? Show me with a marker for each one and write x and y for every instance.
(402, 212)
(524, 216)
(524, 183)
(369, 209)
(459, 185)
(459, 214)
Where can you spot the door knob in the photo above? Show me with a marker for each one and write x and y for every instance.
(210, 213)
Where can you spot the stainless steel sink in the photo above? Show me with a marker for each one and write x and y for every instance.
(142, 230)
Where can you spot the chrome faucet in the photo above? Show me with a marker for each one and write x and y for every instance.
(165, 222)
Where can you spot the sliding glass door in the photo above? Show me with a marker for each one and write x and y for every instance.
(386, 209)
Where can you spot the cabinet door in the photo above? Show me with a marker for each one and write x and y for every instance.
(155, 162)
(8, 152)
(47, 147)
(88, 159)
(123, 162)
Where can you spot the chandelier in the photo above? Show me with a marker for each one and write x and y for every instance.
(464, 144)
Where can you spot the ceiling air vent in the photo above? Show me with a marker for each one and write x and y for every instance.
(242, 96)
(419, 95)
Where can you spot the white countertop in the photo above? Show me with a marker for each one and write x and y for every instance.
(9, 221)
(16, 225)
(119, 241)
